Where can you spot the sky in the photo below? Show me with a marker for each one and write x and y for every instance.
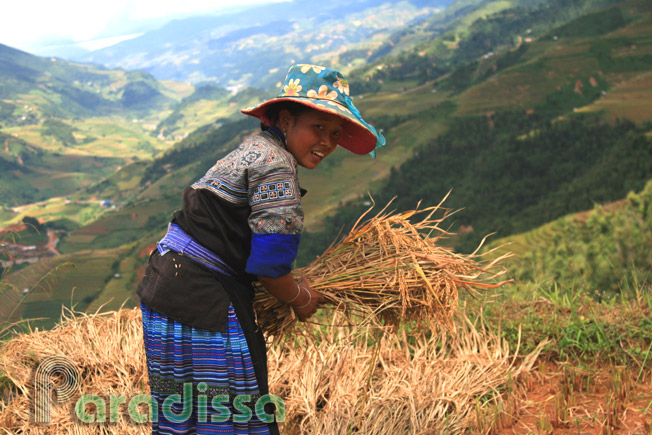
(32, 25)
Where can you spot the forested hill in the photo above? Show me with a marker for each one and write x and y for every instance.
(510, 175)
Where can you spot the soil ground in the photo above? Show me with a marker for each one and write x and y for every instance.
(595, 399)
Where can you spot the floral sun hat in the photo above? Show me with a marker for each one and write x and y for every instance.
(326, 90)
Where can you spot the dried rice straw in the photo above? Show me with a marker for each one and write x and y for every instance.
(388, 270)
(431, 384)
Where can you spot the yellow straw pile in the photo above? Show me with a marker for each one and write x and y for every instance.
(342, 380)
(388, 270)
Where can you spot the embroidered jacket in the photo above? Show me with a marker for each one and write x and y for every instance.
(247, 207)
(247, 210)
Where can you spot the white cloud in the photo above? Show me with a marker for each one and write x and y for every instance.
(162, 8)
(28, 24)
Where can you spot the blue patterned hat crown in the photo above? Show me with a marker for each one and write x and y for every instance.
(325, 89)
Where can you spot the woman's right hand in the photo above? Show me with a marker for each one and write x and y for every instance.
(308, 301)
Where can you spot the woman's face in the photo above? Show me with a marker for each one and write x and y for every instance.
(311, 136)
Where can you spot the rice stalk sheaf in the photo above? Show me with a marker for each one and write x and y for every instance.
(390, 269)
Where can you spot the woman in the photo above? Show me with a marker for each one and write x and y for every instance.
(241, 222)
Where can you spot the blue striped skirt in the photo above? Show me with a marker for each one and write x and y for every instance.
(201, 382)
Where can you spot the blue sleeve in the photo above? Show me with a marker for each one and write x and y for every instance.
(272, 255)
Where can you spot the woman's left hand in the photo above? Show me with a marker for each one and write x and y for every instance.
(308, 301)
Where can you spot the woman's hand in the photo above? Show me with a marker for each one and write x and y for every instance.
(303, 299)
(307, 301)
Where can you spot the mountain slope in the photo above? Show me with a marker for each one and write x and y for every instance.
(601, 250)
(29, 174)
(55, 87)
(499, 190)
(75, 124)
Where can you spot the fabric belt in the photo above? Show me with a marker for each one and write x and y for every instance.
(179, 241)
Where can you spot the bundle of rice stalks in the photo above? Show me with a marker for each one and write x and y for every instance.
(387, 270)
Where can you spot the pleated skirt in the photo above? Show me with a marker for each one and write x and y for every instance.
(201, 381)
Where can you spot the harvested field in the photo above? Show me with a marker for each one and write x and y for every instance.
(343, 380)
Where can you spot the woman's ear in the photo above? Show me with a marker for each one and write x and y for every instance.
(285, 120)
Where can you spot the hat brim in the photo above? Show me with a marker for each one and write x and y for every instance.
(356, 137)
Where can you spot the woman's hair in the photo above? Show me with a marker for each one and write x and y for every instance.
(274, 110)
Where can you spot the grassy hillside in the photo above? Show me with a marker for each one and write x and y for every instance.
(600, 252)
(52, 130)
(585, 62)
(523, 73)
(207, 105)
(510, 176)
(470, 33)
(545, 80)
(537, 77)
(30, 174)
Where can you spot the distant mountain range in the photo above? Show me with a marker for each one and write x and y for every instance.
(246, 48)
(59, 120)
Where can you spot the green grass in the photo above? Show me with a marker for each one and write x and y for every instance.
(585, 316)
(578, 328)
